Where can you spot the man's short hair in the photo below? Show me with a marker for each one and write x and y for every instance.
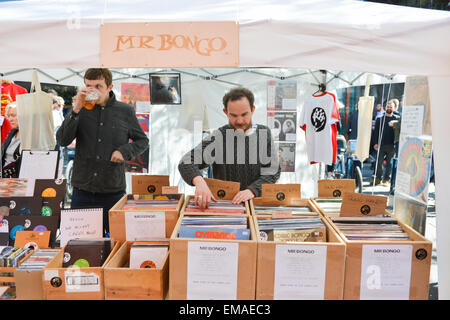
(237, 94)
(99, 73)
(395, 102)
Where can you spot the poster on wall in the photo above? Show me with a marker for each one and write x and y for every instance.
(283, 125)
(286, 153)
(136, 95)
(165, 88)
(281, 95)
(141, 162)
(414, 167)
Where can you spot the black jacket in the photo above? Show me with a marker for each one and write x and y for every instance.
(99, 132)
(5, 146)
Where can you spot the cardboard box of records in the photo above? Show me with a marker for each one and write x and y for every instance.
(386, 259)
(144, 216)
(139, 270)
(70, 276)
(21, 266)
(330, 191)
(10, 259)
(29, 274)
(213, 254)
(300, 256)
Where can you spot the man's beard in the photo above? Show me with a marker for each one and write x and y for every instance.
(245, 128)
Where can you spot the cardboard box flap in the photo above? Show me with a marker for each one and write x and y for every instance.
(281, 193)
(148, 183)
(362, 205)
(223, 190)
(334, 188)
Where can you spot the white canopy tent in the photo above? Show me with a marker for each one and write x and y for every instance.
(346, 35)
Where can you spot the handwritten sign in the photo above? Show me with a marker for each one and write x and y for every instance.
(148, 183)
(412, 120)
(361, 205)
(280, 193)
(335, 187)
(169, 44)
(223, 190)
(81, 224)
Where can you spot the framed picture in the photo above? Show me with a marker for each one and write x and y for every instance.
(165, 88)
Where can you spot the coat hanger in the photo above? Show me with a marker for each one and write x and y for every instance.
(322, 85)
(4, 81)
(322, 88)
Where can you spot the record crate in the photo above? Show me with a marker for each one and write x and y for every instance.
(317, 267)
(409, 259)
(186, 202)
(74, 283)
(29, 283)
(117, 226)
(332, 190)
(194, 263)
(123, 283)
(8, 274)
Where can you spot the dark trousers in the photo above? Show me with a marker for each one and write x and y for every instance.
(387, 151)
(85, 199)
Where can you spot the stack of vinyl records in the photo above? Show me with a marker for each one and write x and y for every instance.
(330, 205)
(152, 202)
(370, 228)
(148, 254)
(221, 206)
(10, 256)
(38, 260)
(298, 229)
(269, 210)
(214, 227)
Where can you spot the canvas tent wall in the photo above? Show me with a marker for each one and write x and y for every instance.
(336, 35)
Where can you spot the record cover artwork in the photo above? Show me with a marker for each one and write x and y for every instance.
(281, 95)
(20, 206)
(136, 95)
(286, 153)
(283, 125)
(139, 164)
(32, 223)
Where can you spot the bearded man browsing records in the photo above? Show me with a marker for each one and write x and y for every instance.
(239, 151)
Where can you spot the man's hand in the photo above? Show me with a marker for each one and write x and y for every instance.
(375, 146)
(243, 196)
(203, 195)
(81, 97)
(117, 157)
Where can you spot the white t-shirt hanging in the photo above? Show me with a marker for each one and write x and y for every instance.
(319, 117)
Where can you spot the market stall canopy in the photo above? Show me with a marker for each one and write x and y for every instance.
(347, 35)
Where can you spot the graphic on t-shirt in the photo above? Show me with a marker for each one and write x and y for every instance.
(318, 119)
